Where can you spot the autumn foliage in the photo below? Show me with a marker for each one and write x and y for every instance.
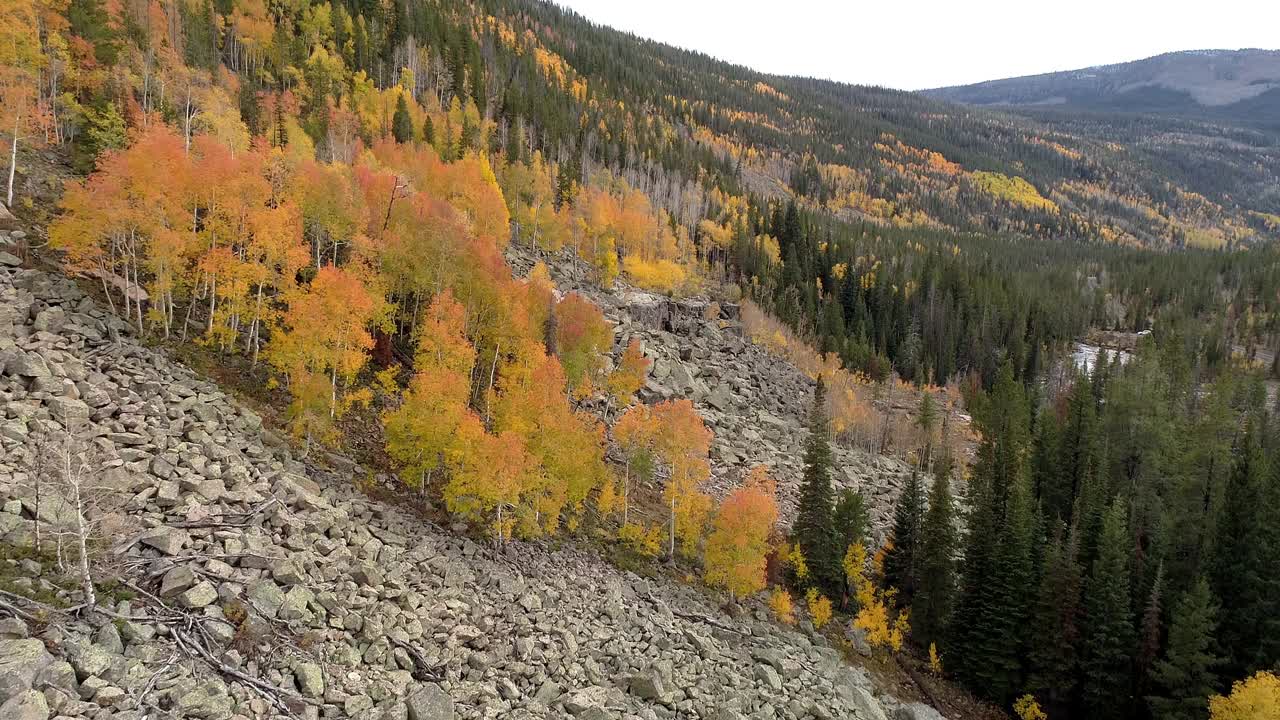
(738, 546)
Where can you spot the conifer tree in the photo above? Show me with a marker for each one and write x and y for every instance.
(1241, 548)
(935, 584)
(814, 529)
(1185, 676)
(1056, 620)
(850, 520)
(401, 122)
(1109, 633)
(987, 628)
(901, 562)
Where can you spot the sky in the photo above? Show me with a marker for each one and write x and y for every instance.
(914, 45)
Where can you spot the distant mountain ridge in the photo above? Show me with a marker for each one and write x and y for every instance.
(1241, 85)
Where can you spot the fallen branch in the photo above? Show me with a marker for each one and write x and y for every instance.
(274, 695)
(423, 670)
(18, 612)
(231, 520)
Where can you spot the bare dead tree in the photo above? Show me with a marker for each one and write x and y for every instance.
(86, 506)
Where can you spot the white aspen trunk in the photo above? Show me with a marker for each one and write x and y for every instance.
(626, 490)
(13, 162)
(672, 549)
(86, 577)
(333, 392)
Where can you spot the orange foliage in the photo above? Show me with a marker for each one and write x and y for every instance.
(738, 546)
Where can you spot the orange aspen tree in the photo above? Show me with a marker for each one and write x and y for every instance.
(421, 431)
(326, 330)
(738, 547)
(582, 338)
(628, 376)
(490, 474)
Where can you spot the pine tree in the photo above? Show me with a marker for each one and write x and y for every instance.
(1239, 562)
(1109, 633)
(1184, 678)
(988, 626)
(901, 562)
(935, 585)
(1056, 620)
(814, 529)
(850, 520)
(428, 131)
(401, 123)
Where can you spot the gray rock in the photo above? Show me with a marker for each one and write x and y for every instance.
(10, 260)
(176, 581)
(295, 604)
(198, 596)
(310, 679)
(89, 660)
(166, 539)
(12, 629)
(266, 597)
(108, 638)
(25, 364)
(27, 705)
(20, 662)
(917, 711)
(70, 412)
(584, 702)
(429, 702)
(207, 701)
(867, 707)
(767, 675)
(648, 685)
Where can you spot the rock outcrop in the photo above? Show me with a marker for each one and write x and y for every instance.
(255, 585)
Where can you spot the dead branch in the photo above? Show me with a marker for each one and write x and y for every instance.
(423, 670)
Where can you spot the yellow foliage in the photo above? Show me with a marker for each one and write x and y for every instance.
(873, 616)
(794, 559)
(1015, 190)
(935, 660)
(819, 608)
(782, 606)
(1257, 698)
(1027, 708)
(641, 539)
(662, 276)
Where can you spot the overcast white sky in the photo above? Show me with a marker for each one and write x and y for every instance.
(915, 45)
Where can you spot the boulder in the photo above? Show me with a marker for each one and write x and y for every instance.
(310, 679)
(167, 540)
(648, 685)
(867, 707)
(20, 662)
(200, 595)
(266, 597)
(27, 705)
(429, 702)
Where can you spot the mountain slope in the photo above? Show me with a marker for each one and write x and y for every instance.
(1228, 84)
(260, 585)
(887, 157)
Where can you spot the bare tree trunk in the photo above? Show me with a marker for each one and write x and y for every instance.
(672, 549)
(82, 533)
(13, 161)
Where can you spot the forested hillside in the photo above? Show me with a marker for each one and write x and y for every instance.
(325, 201)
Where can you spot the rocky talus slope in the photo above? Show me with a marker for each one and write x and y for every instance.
(261, 586)
(756, 403)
